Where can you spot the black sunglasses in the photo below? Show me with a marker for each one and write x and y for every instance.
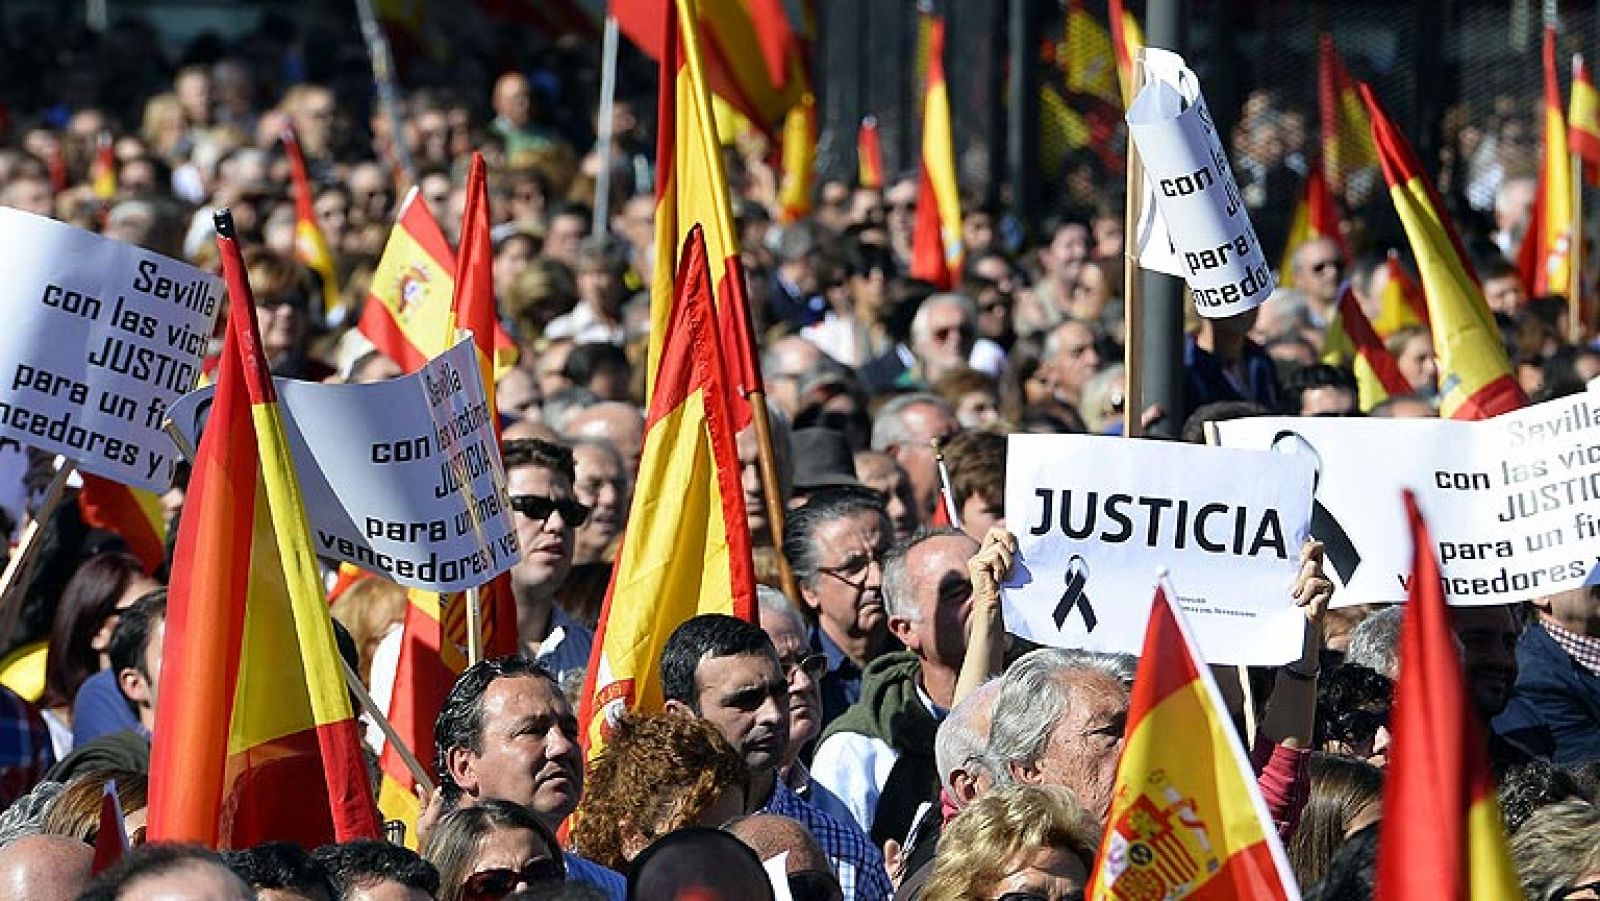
(492, 885)
(538, 508)
(813, 665)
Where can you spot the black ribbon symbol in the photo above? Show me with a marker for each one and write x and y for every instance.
(1076, 596)
(1338, 549)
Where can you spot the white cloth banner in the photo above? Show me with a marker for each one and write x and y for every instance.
(401, 477)
(1188, 181)
(1513, 502)
(100, 338)
(1097, 517)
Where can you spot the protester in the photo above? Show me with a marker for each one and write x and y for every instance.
(371, 870)
(1557, 852)
(281, 871)
(1346, 796)
(168, 871)
(45, 868)
(698, 863)
(491, 849)
(1024, 841)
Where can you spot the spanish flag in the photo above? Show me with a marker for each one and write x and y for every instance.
(1545, 257)
(1354, 342)
(691, 189)
(1441, 835)
(1474, 375)
(1403, 303)
(1186, 818)
(1127, 40)
(936, 232)
(132, 513)
(310, 246)
(254, 738)
(1583, 121)
(799, 156)
(408, 305)
(743, 52)
(687, 548)
(1315, 216)
(1087, 57)
(433, 639)
(103, 171)
(1346, 136)
(869, 154)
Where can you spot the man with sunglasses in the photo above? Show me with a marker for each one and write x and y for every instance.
(1317, 265)
(539, 477)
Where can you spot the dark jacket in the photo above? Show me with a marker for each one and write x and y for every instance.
(891, 711)
(1555, 693)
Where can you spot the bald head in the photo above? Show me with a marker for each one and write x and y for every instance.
(770, 835)
(44, 868)
(526, 428)
(616, 422)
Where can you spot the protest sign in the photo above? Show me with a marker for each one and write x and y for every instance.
(100, 338)
(401, 477)
(1188, 180)
(1096, 518)
(1513, 502)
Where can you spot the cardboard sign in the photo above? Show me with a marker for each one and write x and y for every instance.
(1188, 180)
(1097, 518)
(401, 477)
(1513, 502)
(100, 338)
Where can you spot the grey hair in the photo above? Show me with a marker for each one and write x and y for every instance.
(1034, 698)
(773, 601)
(1052, 340)
(800, 544)
(1375, 642)
(957, 745)
(967, 306)
(1557, 844)
(889, 430)
(899, 598)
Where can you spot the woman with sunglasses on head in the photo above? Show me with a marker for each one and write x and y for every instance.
(488, 851)
(1018, 843)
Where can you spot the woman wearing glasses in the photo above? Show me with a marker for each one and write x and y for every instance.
(486, 852)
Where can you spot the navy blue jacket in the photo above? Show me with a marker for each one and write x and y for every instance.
(1554, 692)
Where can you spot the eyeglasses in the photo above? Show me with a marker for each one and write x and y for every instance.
(853, 571)
(1584, 892)
(944, 334)
(1325, 265)
(815, 666)
(491, 885)
(539, 508)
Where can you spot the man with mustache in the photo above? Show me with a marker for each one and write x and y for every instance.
(539, 477)
(727, 672)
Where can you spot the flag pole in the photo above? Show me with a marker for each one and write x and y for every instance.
(1132, 283)
(608, 95)
(15, 579)
(383, 78)
(1575, 283)
(474, 625)
(770, 493)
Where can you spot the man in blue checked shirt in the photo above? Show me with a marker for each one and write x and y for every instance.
(726, 671)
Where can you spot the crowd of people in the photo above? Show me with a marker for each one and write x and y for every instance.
(876, 734)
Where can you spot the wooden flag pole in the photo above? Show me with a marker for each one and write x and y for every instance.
(1133, 282)
(352, 679)
(14, 582)
(1575, 282)
(771, 494)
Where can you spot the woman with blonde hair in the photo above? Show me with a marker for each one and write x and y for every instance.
(490, 850)
(1031, 841)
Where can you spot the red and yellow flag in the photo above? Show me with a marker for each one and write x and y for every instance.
(1441, 835)
(132, 513)
(1402, 303)
(691, 189)
(687, 548)
(799, 156)
(434, 635)
(936, 232)
(1315, 216)
(408, 307)
(1354, 342)
(1087, 57)
(1583, 121)
(103, 171)
(1545, 257)
(1186, 818)
(255, 740)
(869, 154)
(1475, 379)
(1346, 136)
(744, 47)
(310, 245)
(1127, 40)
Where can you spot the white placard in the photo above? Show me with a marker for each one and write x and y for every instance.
(1188, 179)
(1513, 502)
(1096, 518)
(100, 337)
(401, 477)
